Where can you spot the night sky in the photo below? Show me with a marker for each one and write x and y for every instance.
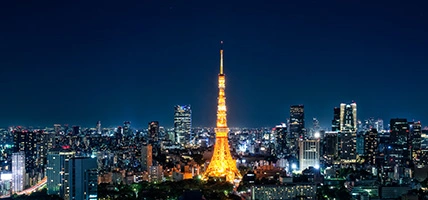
(78, 62)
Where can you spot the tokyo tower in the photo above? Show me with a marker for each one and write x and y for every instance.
(222, 164)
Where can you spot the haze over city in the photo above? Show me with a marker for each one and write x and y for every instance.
(80, 62)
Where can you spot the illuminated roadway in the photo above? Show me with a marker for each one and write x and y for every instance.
(31, 189)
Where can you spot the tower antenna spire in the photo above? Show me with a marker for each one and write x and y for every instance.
(221, 57)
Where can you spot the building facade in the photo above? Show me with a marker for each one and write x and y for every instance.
(146, 157)
(83, 178)
(182, 123)
(309, 151)
(18, 172)
(57, 173)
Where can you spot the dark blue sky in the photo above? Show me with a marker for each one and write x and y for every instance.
(77, 62)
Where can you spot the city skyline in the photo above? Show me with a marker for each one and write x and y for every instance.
(126, 64)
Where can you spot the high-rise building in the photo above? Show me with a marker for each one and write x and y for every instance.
(297, 121)
(335, 124)
(360, 143)
(415, 141)
(57, 128)
(98, 127)
(18, 171)
(182, 123)
(348, 117)
(222, 165)
(309, 151)
(26, 142)
(127, 131)
(316, 125)
(153, 130)
(330, 146)
(348, 146)
(146, 157)
(379, 125)
(83, 178)
(399, 131)
(281, 140)
(76, 130)
(371, 145)
(57, 172)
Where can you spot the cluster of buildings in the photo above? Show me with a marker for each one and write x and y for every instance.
(74, 160)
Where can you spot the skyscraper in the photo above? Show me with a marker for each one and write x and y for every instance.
(153, 130)
(146, 157)
(297, 120)
(83, 178)
(348, 146)
(222, 165)
(18, 171)
(348, 117)
(127, 131)
(416, 141)
(371, 145)
(399, 133)
(76, 130)
(98, 127)
(26, 142)
(379, 125)
(281, 140)
(182, 123)
(57, 172)
(309, 153)
(335, 124)
(330, 146)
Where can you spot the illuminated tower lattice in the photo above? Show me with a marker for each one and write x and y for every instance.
(222, 164)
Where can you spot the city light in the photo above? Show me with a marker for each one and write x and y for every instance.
(317, 135)
(293, 166)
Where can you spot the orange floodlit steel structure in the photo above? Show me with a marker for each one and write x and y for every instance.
(222, 164)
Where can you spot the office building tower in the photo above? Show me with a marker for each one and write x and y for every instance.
(26, 142)
(182, 123)
(18, 172)
(347, 146)
(348, 117)
(57, 172)
(127, 131)
(360, 143)
(316, 125)
(153, 131)
(57, 128)
(379, 126)
(415, 141)
(335, 124)
(98, 127)
(309, 151)
(399, 131)
(83, 178)
(76, 130)
(281, 140)
(371, 145)
(297, 121)
(330, 146)
(146, 157)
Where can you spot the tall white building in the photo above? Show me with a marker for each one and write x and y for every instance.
(309, 153)
(348, 117)
(18, 171)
